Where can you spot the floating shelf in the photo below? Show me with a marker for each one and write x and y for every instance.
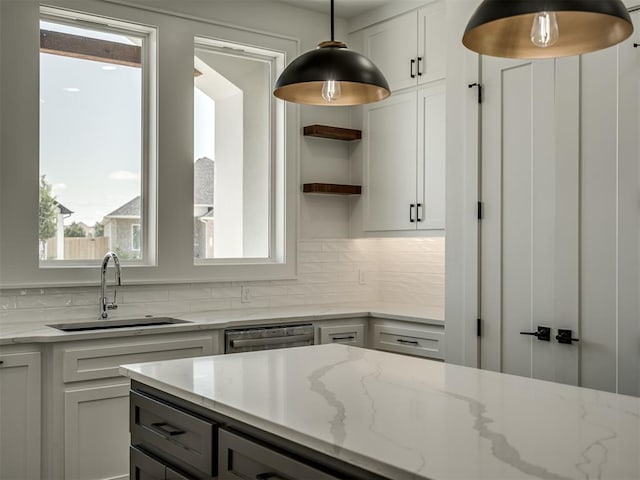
(335, 133)
(332, 188)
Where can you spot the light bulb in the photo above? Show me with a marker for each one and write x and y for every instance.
(544, 30)
(331, 90)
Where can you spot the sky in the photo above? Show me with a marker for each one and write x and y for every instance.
(91, 127)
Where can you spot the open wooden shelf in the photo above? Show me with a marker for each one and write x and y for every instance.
(332, 189)
(335, 133)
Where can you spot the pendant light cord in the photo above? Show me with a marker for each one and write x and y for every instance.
(332, 28)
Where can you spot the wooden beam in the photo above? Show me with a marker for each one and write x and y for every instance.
(75, 46)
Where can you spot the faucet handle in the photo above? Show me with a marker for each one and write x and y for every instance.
(112, 306)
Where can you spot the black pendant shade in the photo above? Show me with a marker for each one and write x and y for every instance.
(360, 80)
(502, 28)
(331, 75)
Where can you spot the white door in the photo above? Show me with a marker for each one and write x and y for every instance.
(432, 43)
(529, 232)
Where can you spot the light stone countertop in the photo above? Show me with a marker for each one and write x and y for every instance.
(39, 332)
(410, 418)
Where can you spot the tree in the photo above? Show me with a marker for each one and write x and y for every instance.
(74, 230)
(47, 215)
(99, 230)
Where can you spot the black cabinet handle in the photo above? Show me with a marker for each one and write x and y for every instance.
(408, 342)
(350, 337)
(565, 336)
(413, 62)
(419, 71)
(167, 430)
(411, 213)
(418, 207)
(268, 476)
(543, 333)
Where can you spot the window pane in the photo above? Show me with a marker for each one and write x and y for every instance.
(90, 142)
(232, 146)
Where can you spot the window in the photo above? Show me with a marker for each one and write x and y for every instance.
(102, 167)
(233, 155)
(92, 141)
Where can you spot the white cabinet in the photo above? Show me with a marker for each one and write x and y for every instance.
(88, 416)
(408, 338)
(409, 49)
(404, 161)
(347, 331)
(20, 415)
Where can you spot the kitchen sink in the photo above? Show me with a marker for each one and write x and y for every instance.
(109, 324)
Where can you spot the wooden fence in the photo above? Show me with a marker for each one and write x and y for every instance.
(79, 248)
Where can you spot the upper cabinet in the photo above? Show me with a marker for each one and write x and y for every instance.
(404, 166)
(409, 49)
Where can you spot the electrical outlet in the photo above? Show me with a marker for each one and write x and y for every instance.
(245, 294)
(362, 280)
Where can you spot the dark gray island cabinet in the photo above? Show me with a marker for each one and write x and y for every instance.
(172, 439)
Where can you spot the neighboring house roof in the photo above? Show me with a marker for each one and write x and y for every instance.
(202, 192)
(203, 187)
(63, 210)
(129, 209)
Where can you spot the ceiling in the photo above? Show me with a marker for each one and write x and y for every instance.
(343, 8)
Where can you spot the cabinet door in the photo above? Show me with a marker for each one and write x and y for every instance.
(96, 432)
(431, 157)
(20, 415)
(144, 467)
(390, 130)
(432, 43)
(391, 45)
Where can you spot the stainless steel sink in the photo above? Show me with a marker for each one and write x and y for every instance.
(109, 324)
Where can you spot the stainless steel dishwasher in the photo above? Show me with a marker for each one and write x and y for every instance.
(250, 339)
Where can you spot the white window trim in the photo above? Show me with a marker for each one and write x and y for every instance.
(172, 220)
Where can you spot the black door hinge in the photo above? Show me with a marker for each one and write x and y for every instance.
(476, 84)
(479, 327)
(479, 210)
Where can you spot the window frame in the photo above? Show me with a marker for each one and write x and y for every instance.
(148, 199)
(170, 141)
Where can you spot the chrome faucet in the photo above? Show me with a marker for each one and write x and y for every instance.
(105, 305)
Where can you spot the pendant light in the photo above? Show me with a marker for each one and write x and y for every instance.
(546, 28)
(331, 75)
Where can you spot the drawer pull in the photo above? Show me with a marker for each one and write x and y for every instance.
(167, 430)
(350, 337)
(407, 342)
(268, 476)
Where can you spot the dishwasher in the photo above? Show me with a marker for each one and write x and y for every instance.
(268, 337)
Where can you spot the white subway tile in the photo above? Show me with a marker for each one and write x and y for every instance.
(7, 303)
(225, 292)
(43, 301)
(318, 257)
(140, 295)
(309, 246)
(191, 293)
(206, 305)
(255, 302)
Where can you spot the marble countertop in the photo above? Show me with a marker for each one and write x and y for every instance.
(408, 418)
(27, 332)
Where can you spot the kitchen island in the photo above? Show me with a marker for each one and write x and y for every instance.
(401, 417)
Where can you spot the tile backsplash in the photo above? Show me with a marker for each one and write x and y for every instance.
(330, 271)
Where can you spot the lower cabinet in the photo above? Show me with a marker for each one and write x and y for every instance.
(19, 415)
(421, 340)
(86, 417)
(175, 439)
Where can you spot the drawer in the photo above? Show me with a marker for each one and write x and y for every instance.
(242, 458)
(346, 334)
(146, 467)
(173, 433)
(421, 342)
(101, 360)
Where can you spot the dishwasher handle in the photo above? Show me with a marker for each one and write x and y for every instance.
(258, 342)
